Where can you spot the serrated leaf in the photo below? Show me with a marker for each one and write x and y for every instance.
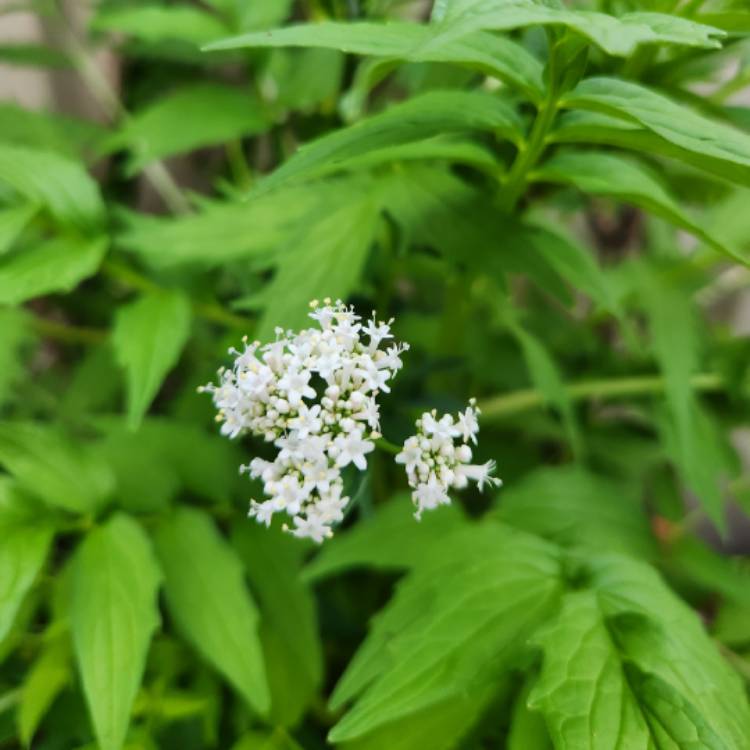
(22, 554)
(617, 36)
(594, 127)
(454, 623)
(492, 55)
(52, 266)
(158, 23)
(46, 678)
(423, 116)
(391, 540)
(148, 337)
(113, 617)
(187, 119)
(13, 219)
(576, 508)
(61, 471)
(327, 263)
(289, 627)
(625, 179)
(210, 603)
(262, 227)
(60, 184)
(679, 125)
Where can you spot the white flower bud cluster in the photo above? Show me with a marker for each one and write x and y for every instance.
(434, 463)
(313, 395)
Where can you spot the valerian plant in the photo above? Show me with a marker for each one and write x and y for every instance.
(548, 201)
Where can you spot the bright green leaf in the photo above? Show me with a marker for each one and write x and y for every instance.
(113, 617)
(13, 219)
(187, 119)
(62, 471)
(492, 55)
(148, 337)
(53, 266)
(63, 186)
(210, 602)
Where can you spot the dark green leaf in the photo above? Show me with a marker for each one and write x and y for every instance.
(210, 603)
(113, 616)
(148, 337)
(14, 332)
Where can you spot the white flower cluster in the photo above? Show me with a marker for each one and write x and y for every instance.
(313, 395)
(434, 463)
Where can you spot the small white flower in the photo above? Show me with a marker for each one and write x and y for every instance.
(352, 448)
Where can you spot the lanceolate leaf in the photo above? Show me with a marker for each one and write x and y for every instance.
(187, 119)
(22, 554)
(55, 265)
(148, 337)
(424, 116)
(210, 602)
(493, 55)
(619, 177)
(681, 126)
(617, 36)
(63, 186)
(594, 127)
(113, 616)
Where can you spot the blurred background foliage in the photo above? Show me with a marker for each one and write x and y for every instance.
(554, 207)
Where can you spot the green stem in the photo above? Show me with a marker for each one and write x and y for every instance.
(388, 446)
(66, 333)
(497, 408)
(529, 152)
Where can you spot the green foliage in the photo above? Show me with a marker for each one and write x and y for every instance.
(550, 199)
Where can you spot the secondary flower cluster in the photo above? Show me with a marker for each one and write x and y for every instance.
(313, 395)
(434, 463)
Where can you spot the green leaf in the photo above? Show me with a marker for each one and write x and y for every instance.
(199, 115)
(289, 627)
(14, 332)
(63, 472)
(47, 677)
(22, 555)
(617, 36)
(527, 728)
(69, 136)
(52, 266)
(593, 127)
(33, 55)
(113, 617)
(262, 228)
(148, 337)
(63, 186)
(622, 178)
(576, 508)
(159, 23)
(13, 220)
(493, 55)
(210, 602)
(327, 263)
(582, 690)
(423, 116)
(391, 540)
(680, 126)
(454, 624)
